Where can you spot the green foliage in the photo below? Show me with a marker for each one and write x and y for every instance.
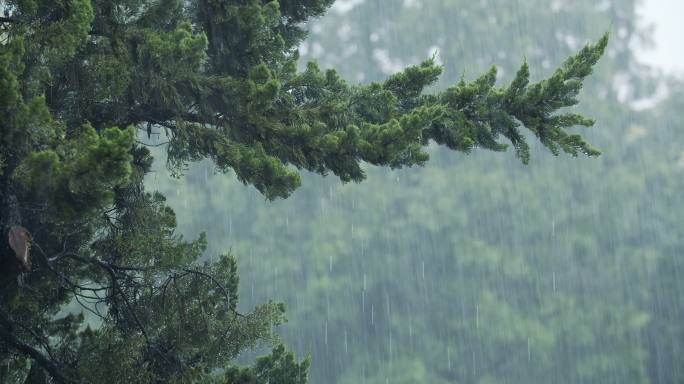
(476, 269)
(279, 367)
(229, 90)
(484, 112)
(23, 123)
(220, 79)
(78, 176)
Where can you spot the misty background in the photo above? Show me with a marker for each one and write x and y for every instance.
(476, 268)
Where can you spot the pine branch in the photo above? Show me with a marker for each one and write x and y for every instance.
(7, 334)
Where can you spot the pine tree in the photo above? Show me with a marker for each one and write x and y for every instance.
(81, 80)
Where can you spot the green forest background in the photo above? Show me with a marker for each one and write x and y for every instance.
(475, 268)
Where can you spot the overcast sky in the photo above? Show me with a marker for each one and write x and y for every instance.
(666, 16)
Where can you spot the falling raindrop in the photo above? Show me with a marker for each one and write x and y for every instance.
(346, 344)
(363, 301)
(474, 365)
(449, 358)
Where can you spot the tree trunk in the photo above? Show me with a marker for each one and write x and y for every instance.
(10, 215)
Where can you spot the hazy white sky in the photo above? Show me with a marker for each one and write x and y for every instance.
(666, 16)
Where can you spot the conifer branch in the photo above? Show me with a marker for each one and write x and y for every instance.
(7, 325)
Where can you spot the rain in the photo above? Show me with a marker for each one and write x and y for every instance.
(476, 268)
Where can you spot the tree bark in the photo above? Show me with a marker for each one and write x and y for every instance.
(10, 215)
